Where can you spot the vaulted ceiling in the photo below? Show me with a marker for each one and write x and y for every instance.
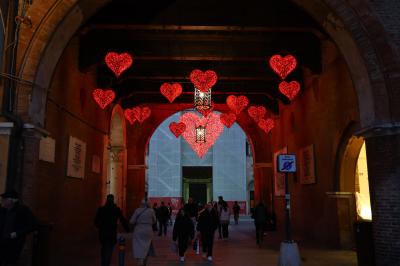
(168, 39)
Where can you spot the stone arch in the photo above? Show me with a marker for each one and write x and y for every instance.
(116, 159)
(174, 144)
(362, 50)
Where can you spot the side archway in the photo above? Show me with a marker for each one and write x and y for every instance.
(117, 159)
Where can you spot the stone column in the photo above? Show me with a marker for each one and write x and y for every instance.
(383, 156)
(116, 177)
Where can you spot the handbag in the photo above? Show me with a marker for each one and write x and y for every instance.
(155, 227)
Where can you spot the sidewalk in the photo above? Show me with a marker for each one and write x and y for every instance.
(239, 250)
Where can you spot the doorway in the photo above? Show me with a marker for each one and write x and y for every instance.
(197, 183)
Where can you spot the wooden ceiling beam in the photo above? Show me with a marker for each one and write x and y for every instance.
(200, 28)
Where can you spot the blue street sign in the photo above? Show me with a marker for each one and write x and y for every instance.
(287, 163)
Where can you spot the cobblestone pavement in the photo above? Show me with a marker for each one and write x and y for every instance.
(239, 250)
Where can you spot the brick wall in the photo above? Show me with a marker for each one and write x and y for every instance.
(318, 117)
(68, 204)
(384, 177)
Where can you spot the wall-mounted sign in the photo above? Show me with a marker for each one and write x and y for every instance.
(76, 158)
(307, 165)
(287, 163)
(279, 178)
(96, 164)
(47, 149)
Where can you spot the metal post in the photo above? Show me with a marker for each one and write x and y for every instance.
(287, 210)
(121, 251)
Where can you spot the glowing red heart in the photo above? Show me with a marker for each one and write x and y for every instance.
(206, 112)
(266, 124)
(141, 114)
(283, 66)
(171, 91)
(237, 104)
(203, 80)
(130, 116)
(103, 97)
(177, 128)
(213, 126)
(118, 63)
(289, 89)
(227, 119)
(257, 113)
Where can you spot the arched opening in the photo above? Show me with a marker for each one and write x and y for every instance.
(312, 194)
(175, 172)
(353, 199)
(363, 200)
(116, 158)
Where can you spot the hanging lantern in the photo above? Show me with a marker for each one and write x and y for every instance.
(200, 134)
(202, 100)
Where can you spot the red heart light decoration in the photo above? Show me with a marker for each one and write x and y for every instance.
(177, 128)
(203, 80)
(118, 63)
(130, 116)
(171, 91)
(103, 97)
(283, 66)
(227, 119)
(289, 89)
(257, 113)
(141, 114)
(206, 112)
(214, 128)
(266, 124)
(237, 104)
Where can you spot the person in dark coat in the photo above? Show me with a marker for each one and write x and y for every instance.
(236, 212)
(183, 232)
(260, 217)
(16, 222)
(162, 217)
(155, 208)
(106, 221)
(191, 209)
(170, 212)
(207, 224)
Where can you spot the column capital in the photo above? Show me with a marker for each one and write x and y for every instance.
(378, 130)
(6, 128)
(35, 131)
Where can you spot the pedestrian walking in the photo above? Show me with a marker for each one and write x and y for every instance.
(224, 219)
(207, 224)
(219, 208)
(155, 208)
(236, 212)
(191, 209)
(170, 213)
(142, 219)
(183, 232)
(106, 221)
(16, 222)
(162, 217)
(260, 218)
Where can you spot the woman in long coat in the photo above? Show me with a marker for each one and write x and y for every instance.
(143, 218)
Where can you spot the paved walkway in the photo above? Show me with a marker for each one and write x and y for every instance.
(239, 250)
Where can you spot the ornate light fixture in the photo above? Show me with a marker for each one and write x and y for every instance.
(200, 134)
(202, 100)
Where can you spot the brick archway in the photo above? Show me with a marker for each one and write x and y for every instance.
(357, 32)
(367, 53)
